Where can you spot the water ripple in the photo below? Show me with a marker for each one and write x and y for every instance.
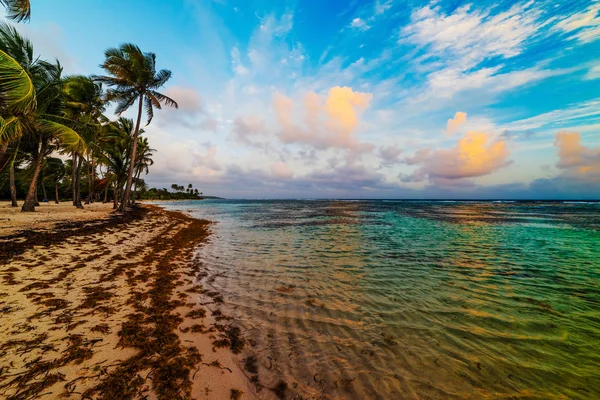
(392, 299)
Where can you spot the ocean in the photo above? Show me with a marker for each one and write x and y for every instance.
(411, 299)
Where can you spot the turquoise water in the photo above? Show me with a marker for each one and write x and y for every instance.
(390, 299)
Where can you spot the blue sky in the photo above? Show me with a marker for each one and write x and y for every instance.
(358, 99)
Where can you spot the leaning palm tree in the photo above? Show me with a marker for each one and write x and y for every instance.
(132, 77)
(18, 10)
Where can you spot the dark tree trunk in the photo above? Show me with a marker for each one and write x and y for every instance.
(56, 191)
(11, 173)
(37, 200)
(115, 196)
(44, 193)
(78, 183)
(3, 148)
(106, 193)
(93, 173)
(89, 178)
(137, 177)
(74, 178)
(136, 133)
(13, 187)
(31, 198)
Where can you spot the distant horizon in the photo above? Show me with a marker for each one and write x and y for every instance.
(516, 200)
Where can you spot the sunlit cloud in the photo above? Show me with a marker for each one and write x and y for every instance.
(476, 154)
(455, 123)
(577, 161)
(323, 122)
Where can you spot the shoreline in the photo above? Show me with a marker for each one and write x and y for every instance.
(109, 307)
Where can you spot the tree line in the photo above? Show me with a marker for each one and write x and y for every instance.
(54, 134)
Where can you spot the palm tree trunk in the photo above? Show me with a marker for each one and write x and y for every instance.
(3, 148)
(13, 187)
(37, 199)
(73, 177)
(115, 196)
(106, 194)
(56, 190)
(30, 200)
(92, 176)
(89, 178)
(127, 191)
(44, 192)
(78, 184)
(11, 173)
(137, 177)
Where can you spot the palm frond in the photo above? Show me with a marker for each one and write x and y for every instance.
(161, 78)
(149, 109)
(18, 10)
(16, 46)
(16, 86)
(65, 135)
(166, 100)
(124, 103)
(11, 129)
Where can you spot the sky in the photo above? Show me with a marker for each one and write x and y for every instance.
(357, 99)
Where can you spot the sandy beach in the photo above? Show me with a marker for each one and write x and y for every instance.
(99, 306)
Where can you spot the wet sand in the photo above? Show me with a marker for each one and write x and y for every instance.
(98, 306)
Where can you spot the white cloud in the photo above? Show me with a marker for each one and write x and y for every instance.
(380, 7)
(236, 62)
(593, 72)
(559, 118)
(583, 26)
(469, 36)
(359, 23)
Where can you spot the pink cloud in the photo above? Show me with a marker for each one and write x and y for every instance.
(578, 162)
(474, 155)
(246, 128)
(281, 170)
(187, 99)
(390, 155)
(323, 123)
(455, 123)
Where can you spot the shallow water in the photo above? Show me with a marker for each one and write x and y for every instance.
(393, 299)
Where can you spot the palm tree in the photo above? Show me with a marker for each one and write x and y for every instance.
(175, 187)
(54, 171)
(40, 107)
(142, 163)
(18, 10)
(133, 77)
(84, 105)
(116, 146)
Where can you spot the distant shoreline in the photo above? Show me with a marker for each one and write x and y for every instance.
(169, 200)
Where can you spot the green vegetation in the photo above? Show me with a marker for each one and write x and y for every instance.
(56, 141)
(177, 193)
